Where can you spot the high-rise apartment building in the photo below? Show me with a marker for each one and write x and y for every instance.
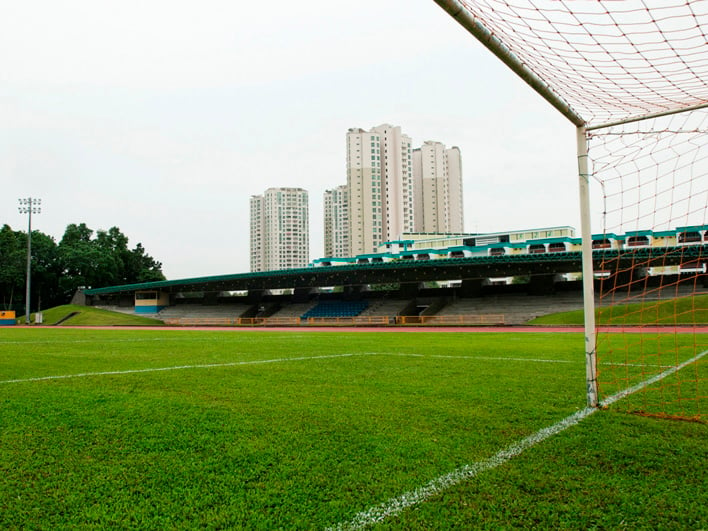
(336, 222)
(279, 229)
(257, 232)
(437, 173)
(380, 186)
(392, 190)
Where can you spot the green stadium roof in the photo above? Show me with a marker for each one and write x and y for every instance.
(411, 271)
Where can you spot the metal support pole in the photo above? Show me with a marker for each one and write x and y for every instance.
(588, 274)
(29, 265)
(28, 206)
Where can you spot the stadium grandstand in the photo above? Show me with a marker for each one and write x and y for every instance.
(499, 278)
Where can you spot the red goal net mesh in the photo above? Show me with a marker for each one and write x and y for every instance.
(650, 262)
(612, 62)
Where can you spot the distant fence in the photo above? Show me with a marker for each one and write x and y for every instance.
(370, 320)
(451, 320)
(373, 320)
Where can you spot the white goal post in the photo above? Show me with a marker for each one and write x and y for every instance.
(602, 65)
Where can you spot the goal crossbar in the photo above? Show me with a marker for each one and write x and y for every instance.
(483, 35)
(647, 117)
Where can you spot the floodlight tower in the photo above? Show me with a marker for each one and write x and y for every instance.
(29, 206)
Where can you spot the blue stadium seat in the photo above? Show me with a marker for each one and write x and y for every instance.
(337, 309)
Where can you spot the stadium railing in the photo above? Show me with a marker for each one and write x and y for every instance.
(478, 319)
(357, 320)
(370, 320)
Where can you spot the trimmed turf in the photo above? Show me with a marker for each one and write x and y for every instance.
(89, 316)
(270, 440)
(684, 311)
(613, 471)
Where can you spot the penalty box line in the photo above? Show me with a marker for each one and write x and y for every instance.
(178, 367)
(531, 360)
(280, 360)
(396, 505)
(229, 364)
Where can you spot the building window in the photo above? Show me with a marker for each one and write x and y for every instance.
(636, 241)
(689, 237)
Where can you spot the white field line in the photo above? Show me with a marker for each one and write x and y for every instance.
(643, 365)
(155, 339)
(237, 363)
(485, 358)
(534, 360)
(618, 396)
(396, 505)
(177, 368)
(303, 358)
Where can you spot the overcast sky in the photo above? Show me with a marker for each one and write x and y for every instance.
(163, 118)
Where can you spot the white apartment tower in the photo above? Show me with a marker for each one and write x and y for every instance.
(336, 222)
(380, 187)
(438, 183)
(279, 230)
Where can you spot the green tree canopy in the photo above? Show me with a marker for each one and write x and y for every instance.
(79, 259)
(13, 258)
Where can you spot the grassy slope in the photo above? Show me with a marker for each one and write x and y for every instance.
(306, 444)
(685, 310)
(89, 316)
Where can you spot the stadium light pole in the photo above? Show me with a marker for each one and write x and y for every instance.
(29, 206)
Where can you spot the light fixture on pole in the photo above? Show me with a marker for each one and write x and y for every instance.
(29, 206)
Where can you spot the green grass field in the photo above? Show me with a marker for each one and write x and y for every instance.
(89, 316)
(296, 430)
(683, 310)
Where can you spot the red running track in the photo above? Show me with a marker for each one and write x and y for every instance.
(386, 329)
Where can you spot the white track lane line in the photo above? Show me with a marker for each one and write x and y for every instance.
(396, 505)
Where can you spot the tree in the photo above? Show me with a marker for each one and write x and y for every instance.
(80, 259)
(12, 266)
(103, 261)
(143, 268)
(46, 271)
(13, 269)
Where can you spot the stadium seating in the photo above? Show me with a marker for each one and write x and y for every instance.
(336, 309)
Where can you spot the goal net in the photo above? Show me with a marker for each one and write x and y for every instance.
(650, 261)
(632, 77)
